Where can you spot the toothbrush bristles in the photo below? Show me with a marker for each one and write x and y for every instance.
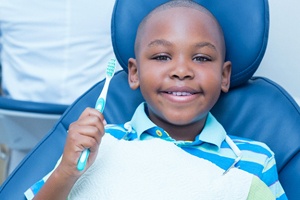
(110, 70)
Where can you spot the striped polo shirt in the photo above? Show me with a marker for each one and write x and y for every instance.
(210, 144)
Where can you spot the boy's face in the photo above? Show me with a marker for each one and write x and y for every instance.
(180, 67)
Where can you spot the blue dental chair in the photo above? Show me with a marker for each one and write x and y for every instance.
(255, 107)
(22, 125)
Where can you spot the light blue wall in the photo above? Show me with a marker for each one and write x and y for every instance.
(282, 59)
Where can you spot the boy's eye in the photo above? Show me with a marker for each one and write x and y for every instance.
(161, 57)
(202, 58)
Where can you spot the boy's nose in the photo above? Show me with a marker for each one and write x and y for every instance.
(182, 70)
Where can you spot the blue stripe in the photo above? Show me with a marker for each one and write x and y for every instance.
(255, 148)
(37, 186)
(116, 131)
(269, 176)
(220, 161)
(248, 144)
(251, 167)
(282, 197)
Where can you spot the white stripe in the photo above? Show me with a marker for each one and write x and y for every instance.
(29, 194)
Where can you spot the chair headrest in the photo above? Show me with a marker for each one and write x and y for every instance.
(245, 25)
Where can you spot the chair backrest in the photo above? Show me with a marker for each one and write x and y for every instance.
(255, 107)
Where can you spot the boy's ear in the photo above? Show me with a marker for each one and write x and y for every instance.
(226, 74)
(133, 78)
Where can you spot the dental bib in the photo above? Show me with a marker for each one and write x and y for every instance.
(156, 169)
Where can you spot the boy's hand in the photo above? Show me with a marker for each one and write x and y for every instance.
(85, 133)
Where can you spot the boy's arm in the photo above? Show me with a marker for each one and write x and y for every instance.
(58, 186)
(86, 132)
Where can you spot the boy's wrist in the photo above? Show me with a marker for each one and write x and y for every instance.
(66, 175)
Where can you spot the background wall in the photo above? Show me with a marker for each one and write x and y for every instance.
(282, 58)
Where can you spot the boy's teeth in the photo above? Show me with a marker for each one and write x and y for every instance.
(180, 93)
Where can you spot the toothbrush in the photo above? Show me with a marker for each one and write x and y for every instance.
(100, 104)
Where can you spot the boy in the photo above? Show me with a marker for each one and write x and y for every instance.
(180, 70)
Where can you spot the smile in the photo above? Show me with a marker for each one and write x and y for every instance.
(181, 93)
(176, 96)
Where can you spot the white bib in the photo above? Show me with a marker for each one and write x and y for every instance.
(156, 169)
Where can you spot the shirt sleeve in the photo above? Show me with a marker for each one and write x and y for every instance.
(270, 177)
(259, 190)
(35, 188)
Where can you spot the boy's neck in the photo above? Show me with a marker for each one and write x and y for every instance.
(180, 132)
(186, 132)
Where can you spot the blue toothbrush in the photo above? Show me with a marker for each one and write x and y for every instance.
(100, 104)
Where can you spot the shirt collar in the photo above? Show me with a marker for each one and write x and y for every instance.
(213, 132)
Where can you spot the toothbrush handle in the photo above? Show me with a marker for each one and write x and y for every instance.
(100, 104)
(83, 159)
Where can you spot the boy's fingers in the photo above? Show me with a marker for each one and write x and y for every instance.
(87, 143)
(93, 132)
(90, 112)
(104, 122)
(92, 116)
(91, 120)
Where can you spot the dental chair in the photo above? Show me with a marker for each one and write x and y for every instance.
(255, 107)
(22, 125)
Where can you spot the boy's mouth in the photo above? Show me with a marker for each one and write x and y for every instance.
(180, 93)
